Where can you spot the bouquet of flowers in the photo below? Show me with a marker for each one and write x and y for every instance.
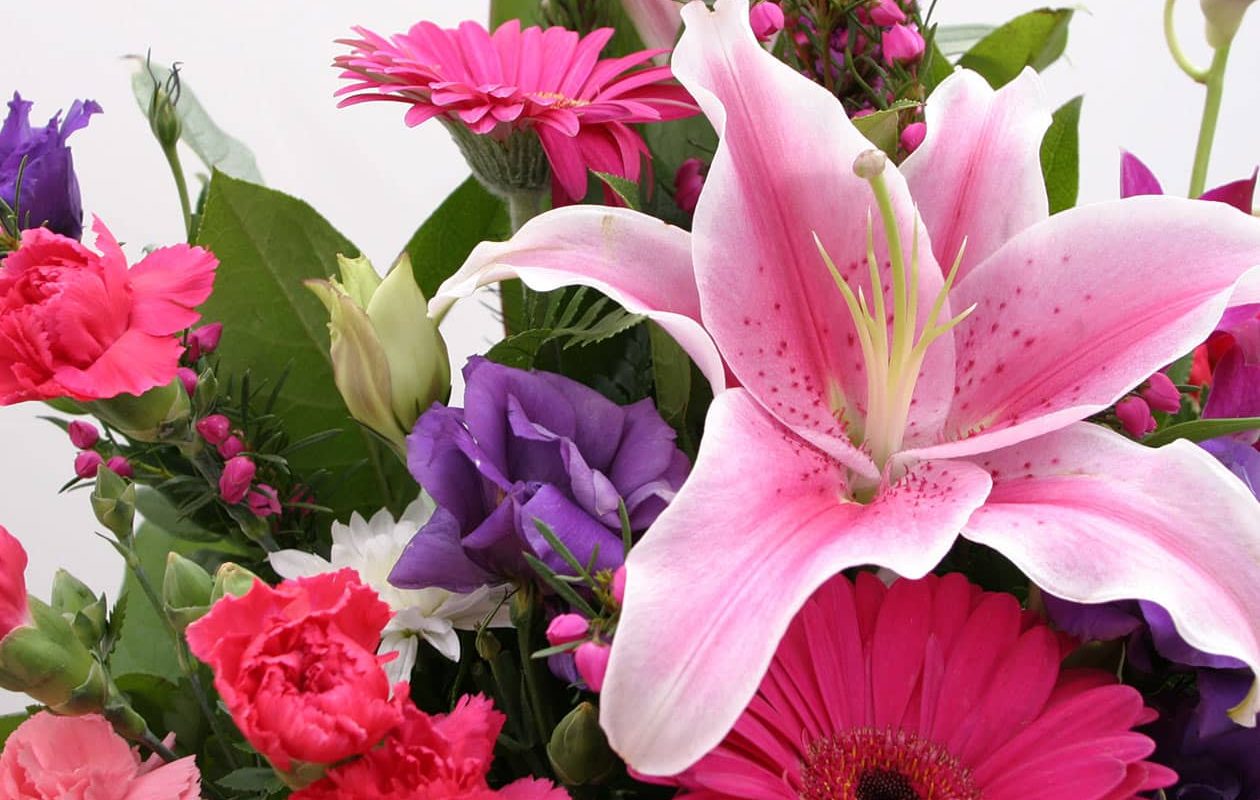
(826, 450)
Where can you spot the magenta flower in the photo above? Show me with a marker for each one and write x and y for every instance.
(551, 81)
(1137, 179)
(875, 425)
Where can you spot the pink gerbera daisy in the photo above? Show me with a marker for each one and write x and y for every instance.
(928, 690)
(551, 81)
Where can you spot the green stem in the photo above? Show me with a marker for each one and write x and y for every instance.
(1211, 113)
(524, 206)
(524, 615)
(1174, 47)
(181, 185)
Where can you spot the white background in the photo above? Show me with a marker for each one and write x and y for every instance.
(262, 70)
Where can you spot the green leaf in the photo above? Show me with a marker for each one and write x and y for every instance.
(9, 723)
(1035, 39)
(252, 779)
(936, 67)
(467, 217)
(883, 128)
(216, 149)
(267, 244)
(624, 188)
(1060, 155)
(1200, 430)
(521, 349)
(144, 645)
(671, 374)
(954, 40)
(527, 11)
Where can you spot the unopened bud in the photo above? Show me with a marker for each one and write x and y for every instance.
(85, 611)
(591, 659)
(238, 474)
(766, 19)
(688, 182)
(578, 749)
(1162, 394)
(186, 590)
(163, 118)
(870, 164)
(188, 379)
(263, 501)
(204, 340)
(86, 464)
(114, 502)
(231, 447)
(214, 428)
(885, 13)
(49, 662)
(161, 414)
(567, 628)
(1223, 17)
(1135, 417)
(618, 587)
(902, 45)
(912, 136)
(120, 466)
(83, 435)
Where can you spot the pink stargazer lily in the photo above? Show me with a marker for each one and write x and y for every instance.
(874, 425)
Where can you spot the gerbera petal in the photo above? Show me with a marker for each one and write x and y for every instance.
(795, 348)
(682, 672)
(977, 176)
(1091, 517)
(637, 260)
(1076, 311)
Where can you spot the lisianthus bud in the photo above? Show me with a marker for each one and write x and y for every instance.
(121, 467)
(766, 19)
(232, 579)
(902, 45)
(578, 749)
(1135, 417)
(566, 628)
(186, 590)
(591, 659)
(1162, 394)
(263, 501)
(238, 474)
(204, 340)
(84, 610)
(114, 502)
(1223, 19)
(87, 463)
(83, 435)
(619, 585)
(885, 13)
(188, 379)
(389, 361)
(161, 414)
(912, 136)
(688, 182)
(231, 447)
(214, 428)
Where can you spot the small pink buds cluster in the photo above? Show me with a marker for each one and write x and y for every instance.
(590, 656)
(88, 461)
(236, 482)
(203, 341)
(1158, 393)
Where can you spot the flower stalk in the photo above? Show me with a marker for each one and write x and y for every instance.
(1215, 81)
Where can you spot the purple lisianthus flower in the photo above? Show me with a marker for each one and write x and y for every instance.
(50, 190)
(1215, 758)
(532, 446)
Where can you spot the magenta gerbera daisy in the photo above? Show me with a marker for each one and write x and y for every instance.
(550, 81)
(928, 690)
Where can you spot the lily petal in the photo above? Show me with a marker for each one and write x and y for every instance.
(638, 261)
(1092, 517)
(977, 176)
(1078, 310)
(689, 653)
(783, 174)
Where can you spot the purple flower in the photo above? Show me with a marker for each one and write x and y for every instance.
(50, 191)
(532, 446)
(1137, 179)
(1215, 758)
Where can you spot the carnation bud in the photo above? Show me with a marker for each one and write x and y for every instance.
(566, 628)
(912, 136)
(619, 585)
(186, 590)
(902, 45)
(1162, 394)
(766, 19)
(162, 414)
(578, 750)
(121, 467)
(84, 435)
(263, 501)
(214, 428)
(49, 662)
(886, 13)
(85, 611)
(389, 361)
(238, 474)
(87, 463)
(231, 447)
(1135, 417)
(591, 659)
(188, 379)
(204, 340)
(114, 502)
(232, 579)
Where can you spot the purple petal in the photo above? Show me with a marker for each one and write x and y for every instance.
(1235, 387)
(1172, 647)
(1239, 457)
(1101, 622)
(1239, 194)
(435, 557)
(451, 467)
(574, 527)
(1136, 178)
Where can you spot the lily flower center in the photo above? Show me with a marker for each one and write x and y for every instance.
(893, 345)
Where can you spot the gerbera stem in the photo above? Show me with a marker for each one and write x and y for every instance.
(524, 206)
(1211, 113)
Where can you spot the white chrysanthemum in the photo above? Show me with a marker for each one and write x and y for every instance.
(371, 548)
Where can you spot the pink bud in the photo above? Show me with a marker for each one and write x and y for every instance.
(84, 435)
(263, 501)
(87, 463)
(567, 628)
(902, 45)
(619, 585)
(886, 12)
(591, 659)
(238, 474)
(862, 112)
(121, 467)
(1135, 417)
(1162, 394)
(207, 338)
(214, 428)
(766, 19)
(913, 136)
(188, 378)
(688, 182)
(231, 447)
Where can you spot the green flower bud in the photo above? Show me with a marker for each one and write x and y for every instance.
(162, 414)
(163, 118)
(1224, 17)
(232, 579)
(47, 661)
(186, 590)
(85, 611)
(114, 502)
(578, 749)
(389, 361)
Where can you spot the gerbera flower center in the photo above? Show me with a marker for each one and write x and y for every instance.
(887, 764)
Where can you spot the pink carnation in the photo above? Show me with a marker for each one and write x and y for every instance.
(81, 758)
(551, 81)
(442, 757)
(297, 667)
(14, 612)
(74, 323)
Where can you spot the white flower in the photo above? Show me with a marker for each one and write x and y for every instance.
(371, 548)
(1223, 19)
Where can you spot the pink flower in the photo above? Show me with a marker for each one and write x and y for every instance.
(566, 628)
(214, 428)
(204, 340)
(619, 585)
(766, 19)
(234, 482)
(297, 667)
(1135, 417)
(930, 688)
(81, 325)
(263, 501)
(121, 467)
(823, 451)
(86, 463)
(14, 612)
(83, 435)
(591, 660)
(81, 758)
(549, 81)
(439, 757)
(902, 45)
(886, 13)
(912, 136)
(231, 447)
(688, 182)
(189, 379)
(1162, 394)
